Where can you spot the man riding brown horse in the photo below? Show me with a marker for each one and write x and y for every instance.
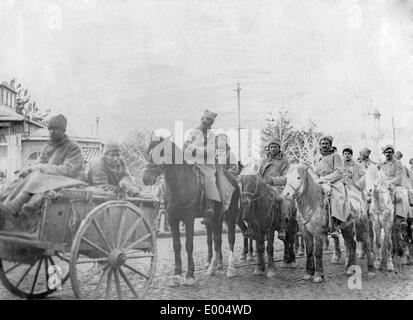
(273, 170)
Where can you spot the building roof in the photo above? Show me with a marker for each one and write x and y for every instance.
(8, 86)
(42, 134)
(6, 114)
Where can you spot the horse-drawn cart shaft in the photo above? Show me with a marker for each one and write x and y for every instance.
(107, 247)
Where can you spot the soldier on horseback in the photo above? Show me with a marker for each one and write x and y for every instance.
(393, 170)
(329, 173)
(199, 149)
(364, 158)
(273, 170)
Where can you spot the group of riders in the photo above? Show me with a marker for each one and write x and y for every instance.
(62, 157)
(61, 164)
(336, 174)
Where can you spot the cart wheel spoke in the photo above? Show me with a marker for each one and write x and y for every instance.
(84, 261)
(95, 246)
(62, 257)
(140, 257)
(120, 229)
(117, 281)
(109, 284)
(102, 277)
(23, 276)
(122, 274)
(100, 231)
(36, 275)
(46, 269)
(137, 271)
(131, 230)
(12, 268)
(134, 244)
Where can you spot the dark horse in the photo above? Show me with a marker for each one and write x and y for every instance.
(185, 202)
(261, 209)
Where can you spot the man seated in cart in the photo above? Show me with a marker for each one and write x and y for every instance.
(110, 172)
(59, 166)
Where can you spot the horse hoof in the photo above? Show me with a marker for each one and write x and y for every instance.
(243, 257)
(231, 273)
(220, 266)
(403, 260)
(270, 274)
(371, 274)
(307, 276)
(390, 267)
(335, 259)
(206, 265)
(250, 258)
(189, 281)
(317, 279)
(284, 265)
(293, 265)
(325, 248)
(300, 253)
(258, 272)
(377, 265)
(175, 281)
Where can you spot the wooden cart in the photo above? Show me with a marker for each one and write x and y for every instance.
(107, 247)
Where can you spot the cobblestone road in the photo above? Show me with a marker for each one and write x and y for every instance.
(286, 285)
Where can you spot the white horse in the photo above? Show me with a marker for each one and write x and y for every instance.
(382, 214)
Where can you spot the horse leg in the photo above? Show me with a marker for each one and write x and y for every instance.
(250, 250)
(260, 246)
(291, 244)
(189, 232)
(243, 227)
(335, 259)
(348, 235)
(388, 246)
(309, 248)
(270, 254)
(367, 245)
(216, 223)
(174, 225)
(209, 241)
(319, 271)
(231, 271)
(377, 245)
(360, 250)
(326, 243)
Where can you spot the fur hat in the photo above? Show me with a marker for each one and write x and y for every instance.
(274, 141)
(329, 138)
(58, 121)
(348, 148)
(386, 147)
(210, 115)
(365, 152)
(111, 146)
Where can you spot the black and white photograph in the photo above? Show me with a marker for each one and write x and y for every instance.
(202, 150)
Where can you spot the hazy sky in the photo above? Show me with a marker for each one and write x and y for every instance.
(144, 63)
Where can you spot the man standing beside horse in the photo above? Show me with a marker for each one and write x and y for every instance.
(329, 173)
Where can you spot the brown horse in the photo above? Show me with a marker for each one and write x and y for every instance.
(313, 220)
(261, 209)
(185, 202)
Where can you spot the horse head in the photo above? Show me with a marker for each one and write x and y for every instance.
(296, 181)
(375, 180)
(159, 154)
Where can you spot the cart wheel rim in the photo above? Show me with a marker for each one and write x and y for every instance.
(121, 250)
(44, 276)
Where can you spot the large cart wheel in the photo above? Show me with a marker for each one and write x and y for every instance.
(36, 280)
(114, 243)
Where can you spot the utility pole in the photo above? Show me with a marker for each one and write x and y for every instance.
(394, 133)
(97, 126)
(238, 90)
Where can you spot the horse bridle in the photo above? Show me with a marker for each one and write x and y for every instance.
(294, 195)
(159, 169)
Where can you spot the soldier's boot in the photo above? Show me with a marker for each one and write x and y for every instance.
(13, 206)
(334, 232)
(284, 207)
